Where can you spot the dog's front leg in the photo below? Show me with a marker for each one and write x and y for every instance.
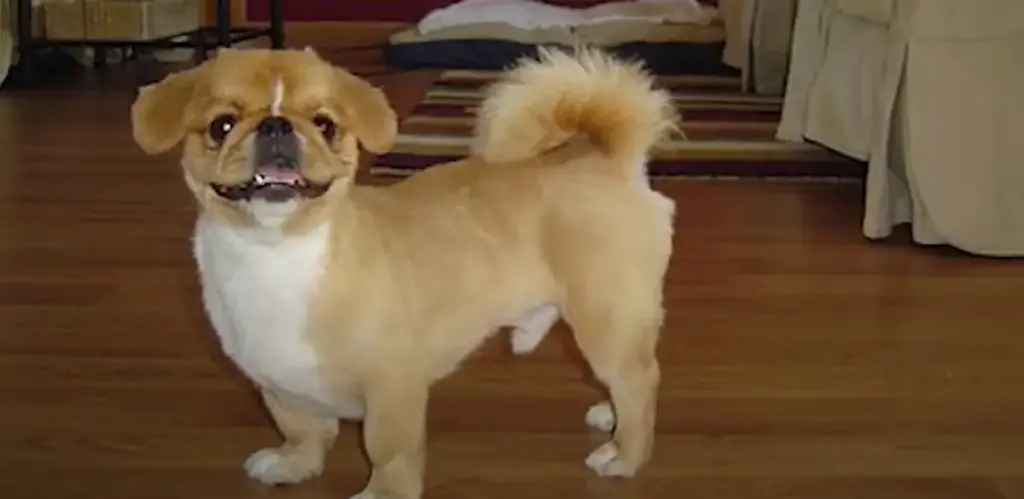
(307, 440)
(395, 437)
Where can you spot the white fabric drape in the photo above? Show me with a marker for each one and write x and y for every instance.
(928, 92)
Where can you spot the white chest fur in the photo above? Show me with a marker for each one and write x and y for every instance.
(257, 289)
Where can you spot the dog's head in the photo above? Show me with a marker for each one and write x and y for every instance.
(266, 134)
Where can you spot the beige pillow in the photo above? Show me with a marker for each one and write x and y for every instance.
(603, 34)
(618, 32)
(488, 31)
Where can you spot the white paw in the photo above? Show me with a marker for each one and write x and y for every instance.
(605, 462)
(273, 467)
(531, 328)
(601, 416)
(365, 494)
(525, 341)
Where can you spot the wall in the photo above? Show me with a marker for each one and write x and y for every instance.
(367, 10)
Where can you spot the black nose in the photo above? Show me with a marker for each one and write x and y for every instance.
(274, 126)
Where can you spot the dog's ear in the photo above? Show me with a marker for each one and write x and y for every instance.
(159, 110)
(366, 111)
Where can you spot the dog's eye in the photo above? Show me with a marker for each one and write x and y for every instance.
(221, 126)
(327, 127)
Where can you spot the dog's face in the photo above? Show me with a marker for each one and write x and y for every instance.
(265, 134)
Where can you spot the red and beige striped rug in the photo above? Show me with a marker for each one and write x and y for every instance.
(730, 134)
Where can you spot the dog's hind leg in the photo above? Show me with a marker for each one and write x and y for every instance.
(621, 353)
(616, 329)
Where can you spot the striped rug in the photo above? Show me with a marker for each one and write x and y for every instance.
(730, 134)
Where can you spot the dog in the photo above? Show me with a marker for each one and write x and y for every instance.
(347, 302)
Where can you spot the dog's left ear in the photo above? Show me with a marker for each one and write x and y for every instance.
(366, 111)
(159, 111)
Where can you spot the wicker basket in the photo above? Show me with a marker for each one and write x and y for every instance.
(64, 19)
(129, 20)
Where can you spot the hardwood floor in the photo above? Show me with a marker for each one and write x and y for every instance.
(799, 360)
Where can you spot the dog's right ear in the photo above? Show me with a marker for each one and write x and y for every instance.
(159, 111)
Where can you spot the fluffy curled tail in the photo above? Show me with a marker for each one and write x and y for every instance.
(540, 104)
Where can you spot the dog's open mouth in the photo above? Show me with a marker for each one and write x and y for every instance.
(273, 184)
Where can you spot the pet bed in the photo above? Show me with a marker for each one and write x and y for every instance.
(481, 42)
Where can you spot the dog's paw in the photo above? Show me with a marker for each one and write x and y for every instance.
(601, 416)
(525, 341)
(370, 494)
(605, 462)
(530, 329)
(365, 494)
(277, 466)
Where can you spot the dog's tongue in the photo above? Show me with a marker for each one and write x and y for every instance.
(278, 175)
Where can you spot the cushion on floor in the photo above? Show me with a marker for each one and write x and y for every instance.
(669, 48)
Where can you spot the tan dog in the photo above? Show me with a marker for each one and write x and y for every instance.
(346, 301)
